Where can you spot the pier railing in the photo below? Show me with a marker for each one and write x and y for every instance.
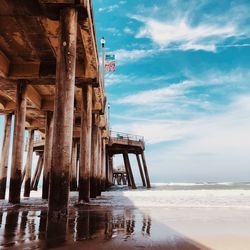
(124, 139)
(122, 136)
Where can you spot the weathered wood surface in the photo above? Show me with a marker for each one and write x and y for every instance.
(63, 115)
(94, 158)
(36, 179)
(47, 153)
(73, 180)
(145, 170)
(37, 170)
(85, 144)
(103, 168)
(5, 154)
(140, 169)
(28, 166)
(29, 43)
(99, 163)
(18, 143)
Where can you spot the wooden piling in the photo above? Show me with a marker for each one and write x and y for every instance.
(28, 166)
(47, 153)
(36, 177)
(103, 171)
(107, 168)
(35, 185)
(5, 154)
(145, 170)
(85, 144)
(127, 171)
(99, 163)
(127, 162)
(18, 143)
(63, 115)
(39, 161)
(73, 181)
(94, 158)
(110, 170)
(141, 171)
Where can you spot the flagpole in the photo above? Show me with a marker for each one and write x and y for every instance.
(103, 66)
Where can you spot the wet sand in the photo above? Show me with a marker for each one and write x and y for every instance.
(95, 228)
(130, 224)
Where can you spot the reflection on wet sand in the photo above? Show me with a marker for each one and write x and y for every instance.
(100, 228)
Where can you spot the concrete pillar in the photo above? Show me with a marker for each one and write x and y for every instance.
(127, 162)
(85, 144)
(73, 181)
(5, 154)
(145, 170)
(36, 178)
(63, 115)
(39, 162)
(110, 170)
(127, 171)
(99, 163)
(103, 172)
(141, 171)
(28, 167)
(107, 168)
(94, 159)
(18, 143)
(47, 153)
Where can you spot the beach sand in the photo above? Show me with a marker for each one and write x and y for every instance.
(141, 219)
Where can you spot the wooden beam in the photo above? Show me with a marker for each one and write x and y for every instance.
(89, 43)
(34, 97)
(33, 124)
(24, 71)
(36, 70)
(4, 65)
(47, 105)
(58, 2)
(2, 104)
(10, 106)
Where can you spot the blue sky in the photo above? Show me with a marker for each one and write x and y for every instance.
(182, 81)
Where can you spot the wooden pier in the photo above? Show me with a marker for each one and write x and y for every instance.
(125, 144)
(50, 82)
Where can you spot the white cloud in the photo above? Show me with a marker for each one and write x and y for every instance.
(231, 126)
(191, 46)
(183, 35)
(156, 96)
(109, 8)
(176, 94)
(123, 56)
(208, 148)
(112, 79)
(128, 30)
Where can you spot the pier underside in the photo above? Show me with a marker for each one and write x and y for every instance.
(50, 82)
